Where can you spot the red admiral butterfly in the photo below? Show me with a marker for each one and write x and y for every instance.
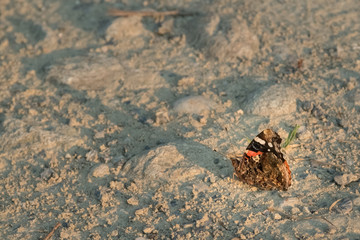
(263, 165)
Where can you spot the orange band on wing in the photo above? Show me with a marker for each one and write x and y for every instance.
(252, 153)
(287, 167)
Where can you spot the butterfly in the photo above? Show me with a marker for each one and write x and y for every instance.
(263, 164)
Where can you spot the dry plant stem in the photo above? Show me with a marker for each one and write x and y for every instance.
(333, 205)
(327, 164)
(52, 231)
(300, 218)
(121, 13)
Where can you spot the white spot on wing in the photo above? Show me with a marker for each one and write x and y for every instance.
(259, 140)
(270, 144)
(256, 158)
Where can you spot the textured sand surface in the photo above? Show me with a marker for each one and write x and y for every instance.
(115, 127)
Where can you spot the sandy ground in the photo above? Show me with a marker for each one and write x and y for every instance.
(115, 127)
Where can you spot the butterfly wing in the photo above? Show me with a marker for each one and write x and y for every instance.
(263, 164)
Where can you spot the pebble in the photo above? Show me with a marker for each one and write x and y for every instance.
(306, 210)
(166, 26)
(346, 178)
(148, 230)
(125, 28)
(101, 170)
(212, 179)
(92, 156)
(193, 104)
(276, 100)
(162, 117)
(189, 225)
(277, 216)
(142, 212)
(133, 201)
(114, 233)
(295, 210)
(47, 174)
(356, 201)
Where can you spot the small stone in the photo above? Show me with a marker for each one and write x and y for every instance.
(295, 210)
(203, 120)
(193, 104)
(189, 225)
(356, 201)
(101, 170)
(277, 216)
(133, 201)
(142, 212)
(105, 198)
(47, 174)
(212, 179)
(162, 117)
(148, 230)
(166, 27)
(306, 210)
(125, 28)
(114, 233)
(92, 156)
(275, 100)
(346, 179)
(68, 156)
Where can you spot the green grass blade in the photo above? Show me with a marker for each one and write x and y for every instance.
(291, 136)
